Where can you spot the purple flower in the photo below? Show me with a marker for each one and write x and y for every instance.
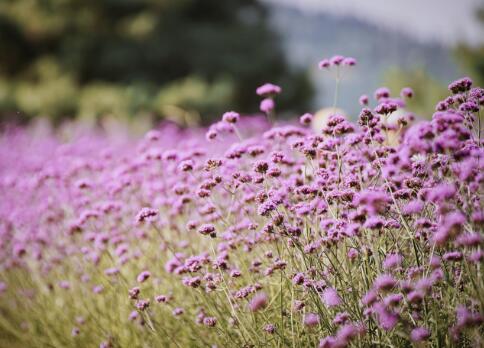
(349, 61)
(476, 256)
(434, 261)
(324, 64)
(298, 305)
(268, 89)
(352, 253)
(64, 284)
(261, 167)
(327, 342)
(419, 334)
(415, 296)
(331, 298)
(143, 276)
(363, 100)
(469, 106)
(311, 319)
(211, 134)
(392, 261)
(298, 278)
(369, 298)
(450, 226)
(306, 119)
(336, 60)
(134, 293)
(382, 92)
(258, 302)
(267, 105)
(235, 273)
(3, 287)
(186, 166)
(406, 92)
(133, 315)
(270, 328)
(207, 229)
(392, 299)
(442, 192)
(413, 207)
(386, 107)
(97, 289)
(466, 318)
(461, 85)
(231, 117)
(384, 282)
(373, 202)
(348, 332)
(146, 214)
(286, 204)
(374, 223)
(387, 320)
(178, 311)
(452, 256)
(210, 321)
(341, 318)
(193, 282)
(142, 304)
(161, 298)
(265, 208)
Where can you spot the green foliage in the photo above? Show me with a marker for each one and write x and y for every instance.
(472, 57)
(427, 90)
(472, 60)
(89, 58)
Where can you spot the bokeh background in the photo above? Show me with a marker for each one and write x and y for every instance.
(190, 60)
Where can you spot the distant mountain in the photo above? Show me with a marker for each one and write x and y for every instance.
(309, 38)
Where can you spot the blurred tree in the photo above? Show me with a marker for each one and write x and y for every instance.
(92, 57)
(472, 57)
(427, 90)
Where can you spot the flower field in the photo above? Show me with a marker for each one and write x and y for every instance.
(250, 233)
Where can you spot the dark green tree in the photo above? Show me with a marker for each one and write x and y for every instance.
(124, 57)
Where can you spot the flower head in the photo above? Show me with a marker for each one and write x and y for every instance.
(231, 117)
(267, 105)
(311, 319)
(268, 89)
(143, 276)
(146, 214)
(331, 298)
(419, 334)
(258, 302)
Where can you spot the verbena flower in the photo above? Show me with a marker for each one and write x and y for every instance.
(392, 261)
(419, 334)
(311, 319)
(331, 298)
(146, 214)
(378, 220)
(143, 276)
(258, 301)
(231, 117)
(268, 89)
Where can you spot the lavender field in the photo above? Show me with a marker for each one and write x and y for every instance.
(251, 232)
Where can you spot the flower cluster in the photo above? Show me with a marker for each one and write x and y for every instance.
(336, 61)
(367, 233)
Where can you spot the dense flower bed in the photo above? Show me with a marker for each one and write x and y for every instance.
(249, 235)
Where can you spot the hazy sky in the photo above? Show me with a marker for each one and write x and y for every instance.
(445, 21)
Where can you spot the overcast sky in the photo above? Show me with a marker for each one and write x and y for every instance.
(445, 21)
